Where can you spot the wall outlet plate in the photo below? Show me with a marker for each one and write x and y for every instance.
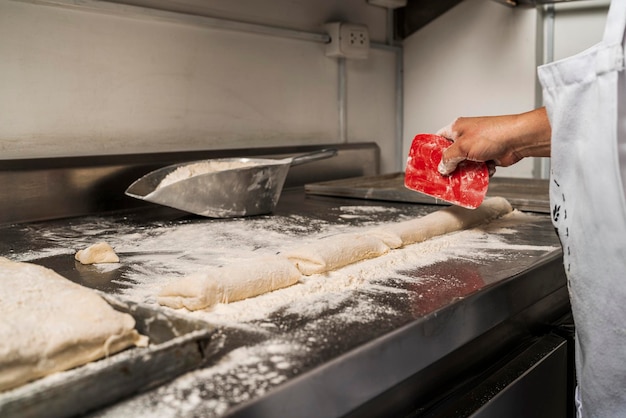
(347, 40)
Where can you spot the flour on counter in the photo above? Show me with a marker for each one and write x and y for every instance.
(321, 292)
(163, 251)
(107, 267)
(43, 253)
(362, 212)
(243, 374)
(288, 327)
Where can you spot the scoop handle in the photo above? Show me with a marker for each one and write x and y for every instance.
(314, 156)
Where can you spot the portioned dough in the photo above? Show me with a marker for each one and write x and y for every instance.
(444, 221)
(390, 238)
(336, 251)
(100, 252)
(229, 283)
(50, 324)
(258, 276)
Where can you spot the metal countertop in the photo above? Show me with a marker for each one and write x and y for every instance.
(328, 364)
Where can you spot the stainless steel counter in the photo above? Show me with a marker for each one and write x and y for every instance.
(430, 324)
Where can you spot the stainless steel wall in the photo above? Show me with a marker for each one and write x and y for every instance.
(49, 188)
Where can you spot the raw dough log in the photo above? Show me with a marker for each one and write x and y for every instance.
(390, 238)
(229, 283)
(50, 324)
(450, 219)
(336, 251)
(253, 278)
(100, 252)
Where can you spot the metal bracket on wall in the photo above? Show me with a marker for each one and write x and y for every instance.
(418, 13)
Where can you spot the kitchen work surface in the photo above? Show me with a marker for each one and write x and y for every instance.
(332, 342)
(524, 194)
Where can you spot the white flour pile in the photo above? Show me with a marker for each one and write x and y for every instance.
(204, 167)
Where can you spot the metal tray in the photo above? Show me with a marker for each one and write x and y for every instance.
(177, 345)
(524, 194)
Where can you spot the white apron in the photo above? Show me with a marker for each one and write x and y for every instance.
(584, 98)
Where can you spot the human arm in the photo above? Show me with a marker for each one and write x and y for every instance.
(497, 140)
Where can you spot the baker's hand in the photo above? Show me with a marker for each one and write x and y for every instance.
(496, 140)
(480, 139)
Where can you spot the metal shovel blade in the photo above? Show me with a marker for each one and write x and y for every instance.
(466, 186)
(221, 188)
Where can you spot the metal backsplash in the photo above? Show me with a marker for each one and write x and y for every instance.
(51, 188)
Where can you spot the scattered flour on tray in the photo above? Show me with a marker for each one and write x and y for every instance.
(251, 371)
(243, 374)
(320, 292)
(151, 257)
(158, 253)
(41, 253)
(362, 212)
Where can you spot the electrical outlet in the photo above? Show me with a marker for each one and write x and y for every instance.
(347, 40)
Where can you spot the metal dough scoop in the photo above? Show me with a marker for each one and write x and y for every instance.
(231, 187)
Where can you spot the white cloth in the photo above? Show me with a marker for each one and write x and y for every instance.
(589, 211)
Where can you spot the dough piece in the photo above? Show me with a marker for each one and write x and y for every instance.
(229, 283)
(336, 251)
(450, 219)
(97, 253)
(258, 276)
(391, 239)
(50, 324)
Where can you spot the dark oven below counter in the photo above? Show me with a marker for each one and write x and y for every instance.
(534, 377)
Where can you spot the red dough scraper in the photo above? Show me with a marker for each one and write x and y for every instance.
(466, 186)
